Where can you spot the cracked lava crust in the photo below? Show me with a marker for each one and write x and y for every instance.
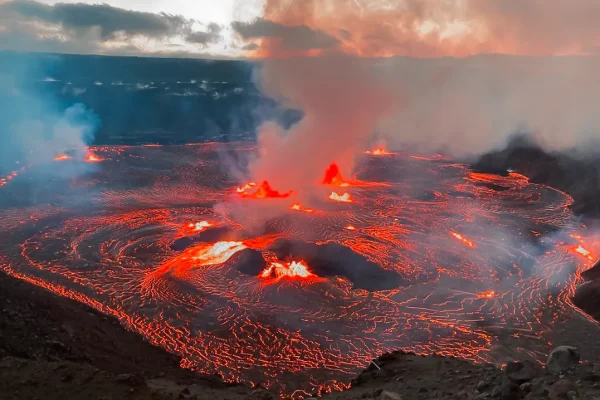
(414, 252)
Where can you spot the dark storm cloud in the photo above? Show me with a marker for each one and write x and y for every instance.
(211, 35)
(293, 37)
(107, 19)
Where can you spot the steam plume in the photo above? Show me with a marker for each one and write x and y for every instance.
(462, 106)
(35, 127)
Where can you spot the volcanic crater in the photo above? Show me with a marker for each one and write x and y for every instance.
(425, 253)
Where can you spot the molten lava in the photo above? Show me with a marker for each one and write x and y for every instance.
(380, 151)
(345, 198)
(265, 191)
(200, 226)
(300, 207)
(62, 157)
(487, 295)
(91, 157)
(333, 176)
(217, 253)
(584, 252)
(247, 186)
(286, 270)
(206, 299)
(460, 237)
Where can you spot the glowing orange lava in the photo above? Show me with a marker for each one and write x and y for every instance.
(200, 226)
(487, 295)
(217, 253)
(380, 151)
(333, 176)
(350, 227)
(300, 207)
(91, 157)
(463, 239)
(265, 191)
(247, 186)
(62, 157)
(584, 252)
(292, 269)
(345, 198)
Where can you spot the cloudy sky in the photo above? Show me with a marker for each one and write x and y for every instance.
(279, 28)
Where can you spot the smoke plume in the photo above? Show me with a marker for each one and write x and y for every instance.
(334, 72)
(342, 103)
(35, 127)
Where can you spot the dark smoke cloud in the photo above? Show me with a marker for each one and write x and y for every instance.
(28, 25)
(107, 19)
(212, 35)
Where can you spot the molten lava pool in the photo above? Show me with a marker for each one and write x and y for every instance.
(432, 258)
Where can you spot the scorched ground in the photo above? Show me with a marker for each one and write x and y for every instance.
(298, 289)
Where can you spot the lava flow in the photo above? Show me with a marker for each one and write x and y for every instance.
(461, 238)
(200, 226)
(300, 207)
(264, 191)
(299, 303)
(62, 157)
(91, 157)
(380, 151)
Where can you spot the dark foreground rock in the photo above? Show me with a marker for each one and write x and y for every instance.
(54, 348)
(410, 377)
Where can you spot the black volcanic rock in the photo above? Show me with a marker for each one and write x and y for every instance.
(207, 236)
(575, 174)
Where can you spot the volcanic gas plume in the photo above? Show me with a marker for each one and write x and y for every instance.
(474, 265)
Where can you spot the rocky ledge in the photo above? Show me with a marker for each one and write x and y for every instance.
(407, 376)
